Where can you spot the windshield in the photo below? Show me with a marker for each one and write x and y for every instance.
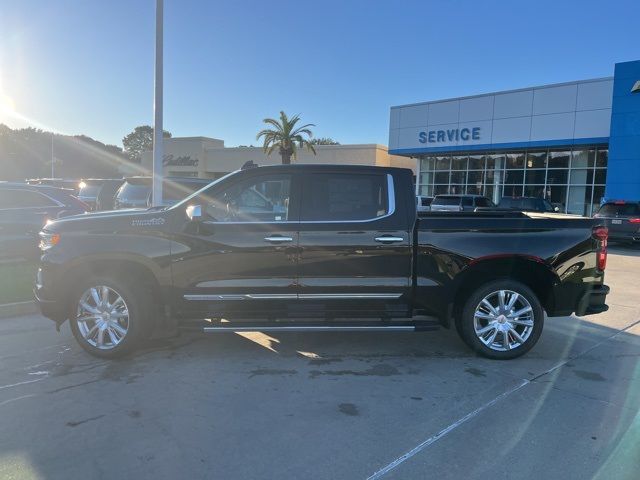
(90, 190)
(134, 192)
(625, 209)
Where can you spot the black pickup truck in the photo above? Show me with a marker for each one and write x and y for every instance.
(314, 248)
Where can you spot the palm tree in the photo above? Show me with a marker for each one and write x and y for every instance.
(286, 137)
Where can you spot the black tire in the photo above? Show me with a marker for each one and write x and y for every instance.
(137, 301)
(465, 323)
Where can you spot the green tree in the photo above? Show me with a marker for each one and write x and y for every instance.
(140, 140)
(286, 137)
(324, 141)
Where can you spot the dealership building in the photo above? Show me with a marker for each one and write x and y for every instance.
(574, 143)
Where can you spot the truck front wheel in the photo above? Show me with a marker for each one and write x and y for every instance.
(108, 317)
(501, 320)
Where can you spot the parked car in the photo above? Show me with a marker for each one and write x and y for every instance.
(310, 244)
(24, 209)
(135, 192)
(527, 204)
(69, 184)
(107, 194)
(623, 220)
(90, 190)
(424, 203)
(459, 203)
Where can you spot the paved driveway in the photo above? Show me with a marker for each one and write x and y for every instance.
(329, 406)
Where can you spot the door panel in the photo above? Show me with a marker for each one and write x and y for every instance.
(242, 259)
(351, 264)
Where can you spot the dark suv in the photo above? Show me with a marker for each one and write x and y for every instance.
(623, 220)
(25, 209)
(527, 204)
(136, 191)
(459, 203)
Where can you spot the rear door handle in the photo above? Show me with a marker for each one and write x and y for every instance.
(389, 239)
(278, 239)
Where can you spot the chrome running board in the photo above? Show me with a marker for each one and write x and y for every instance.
(311, 328)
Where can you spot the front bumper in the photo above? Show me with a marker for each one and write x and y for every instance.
(593, 301)
(49, 304)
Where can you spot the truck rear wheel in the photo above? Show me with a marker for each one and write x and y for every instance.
(501, 320)
(108, 317)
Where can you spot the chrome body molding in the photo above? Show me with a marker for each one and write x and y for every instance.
(293, 296)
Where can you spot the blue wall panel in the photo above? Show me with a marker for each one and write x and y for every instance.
(623, 173)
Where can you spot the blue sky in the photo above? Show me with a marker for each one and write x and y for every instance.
(79, 66)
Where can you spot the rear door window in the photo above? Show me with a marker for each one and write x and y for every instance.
(332, 197)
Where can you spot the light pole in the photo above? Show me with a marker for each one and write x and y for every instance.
(158, 149)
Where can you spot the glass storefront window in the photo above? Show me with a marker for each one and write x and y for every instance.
(459, 162)
(557, 195)
(495, 162)
(583, 158)
(426, 178)
(535, 176)
(476, 162)
(475, 176)
(515, 160)
(559, 159)
(443, 163)
(598, 195)
(581, 176)
(489, 193)
(534, 191)
(557, 177)
(459, 177)
(428, 163)
(537, 159)
(514, 176)
(426, 190)
(602, 158)
(579, 199)
(512, 190)
(442, 177)
(572, 179)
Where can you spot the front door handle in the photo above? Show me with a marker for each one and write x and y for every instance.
(278, 239)
(389, 239)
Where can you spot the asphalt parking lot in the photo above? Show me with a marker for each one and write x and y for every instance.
(329, 406)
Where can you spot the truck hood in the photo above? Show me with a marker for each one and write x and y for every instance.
(112, 220)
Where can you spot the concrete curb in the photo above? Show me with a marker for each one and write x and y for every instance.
(17, 309)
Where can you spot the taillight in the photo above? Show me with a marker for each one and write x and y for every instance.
(634, 220)
(601, 234)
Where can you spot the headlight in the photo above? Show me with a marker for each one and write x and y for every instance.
(48, 240)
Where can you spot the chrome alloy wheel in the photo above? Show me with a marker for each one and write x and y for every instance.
(102, 317)
(503, 320)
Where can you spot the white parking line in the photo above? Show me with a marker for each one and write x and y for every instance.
(443, 432)
(429, 441)
(2, 387)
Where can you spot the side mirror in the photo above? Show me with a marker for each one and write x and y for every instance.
(194, 213)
